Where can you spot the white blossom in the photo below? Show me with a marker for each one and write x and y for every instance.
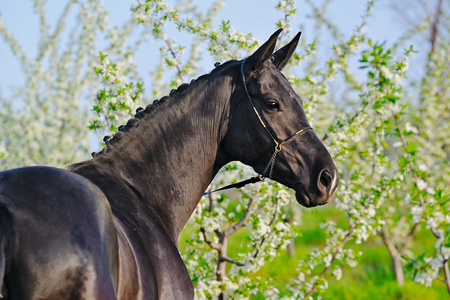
(421, 184)
(337, 272)
(410, 128)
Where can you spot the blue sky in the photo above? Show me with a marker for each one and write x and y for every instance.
(256, 17)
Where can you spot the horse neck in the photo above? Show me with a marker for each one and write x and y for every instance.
(172, 155)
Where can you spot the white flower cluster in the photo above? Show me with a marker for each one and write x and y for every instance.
(267, 232)
(116, 100)
(54, 90)
(156, 14)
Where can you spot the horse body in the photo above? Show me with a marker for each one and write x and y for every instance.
(63, 234)
(109, 229)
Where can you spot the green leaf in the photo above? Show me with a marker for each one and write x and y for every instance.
(102, 56)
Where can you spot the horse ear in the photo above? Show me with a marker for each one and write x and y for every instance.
(282, 56)
(263, 53)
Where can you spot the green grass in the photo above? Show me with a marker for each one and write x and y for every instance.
(372, 278)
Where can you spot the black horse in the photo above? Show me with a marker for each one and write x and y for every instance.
(109, 228)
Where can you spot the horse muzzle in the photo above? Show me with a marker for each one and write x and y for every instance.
(320, 192)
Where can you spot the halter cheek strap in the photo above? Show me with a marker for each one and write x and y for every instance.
(271, 164)
(253, 105)
(269, 168)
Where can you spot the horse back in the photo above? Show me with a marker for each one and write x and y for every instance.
(65, 242)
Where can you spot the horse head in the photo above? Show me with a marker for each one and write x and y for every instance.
(268, 129)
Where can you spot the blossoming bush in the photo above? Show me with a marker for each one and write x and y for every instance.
(391, 145)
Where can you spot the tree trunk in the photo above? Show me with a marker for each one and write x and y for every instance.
(397, 268)
(221, 263)
(291, 248)
(396, 260)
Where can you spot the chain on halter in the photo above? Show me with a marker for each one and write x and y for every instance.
(268, 171)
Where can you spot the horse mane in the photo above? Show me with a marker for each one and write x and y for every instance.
(141, 113)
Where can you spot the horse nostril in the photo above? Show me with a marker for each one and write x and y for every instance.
(325, 180)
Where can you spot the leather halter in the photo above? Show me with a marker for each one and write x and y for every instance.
(270, 165)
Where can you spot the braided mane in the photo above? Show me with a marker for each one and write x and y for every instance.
(141, 113)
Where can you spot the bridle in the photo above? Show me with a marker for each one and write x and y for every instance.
(271, 164)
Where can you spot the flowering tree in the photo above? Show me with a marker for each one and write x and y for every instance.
(391, 148)
(44, 119)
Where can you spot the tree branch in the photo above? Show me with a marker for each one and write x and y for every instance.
(391, 247)
(242, 222)
(447, 276)
(213, 245)
(227, 259)
(435, 25)
(413, 172)
(339, 248)
(177, 65)
(409, 238)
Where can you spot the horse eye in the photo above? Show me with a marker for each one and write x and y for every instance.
(272, 104)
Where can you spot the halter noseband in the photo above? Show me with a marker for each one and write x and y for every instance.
(270, 165)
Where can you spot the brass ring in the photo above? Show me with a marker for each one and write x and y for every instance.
(278, 147)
